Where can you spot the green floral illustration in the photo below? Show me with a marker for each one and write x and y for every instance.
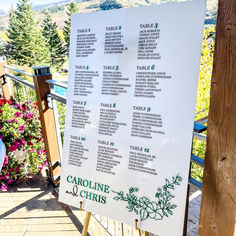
(146, 208)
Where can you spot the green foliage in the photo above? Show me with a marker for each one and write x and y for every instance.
(92, 6)
(72, 9)
(54, 9)
(2, 47)
(26, 43)
(203, 95)
(146, 208)
(109, 5)
(54, 42)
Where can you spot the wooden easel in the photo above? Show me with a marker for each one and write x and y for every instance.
(87, 220)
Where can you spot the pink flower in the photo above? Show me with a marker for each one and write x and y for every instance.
(3, 177)
(10, 181)
(31, 150)
(41, 151)
(17, 169)
(12, 148)
(11, 170)
(18, 114)
(22, 128)
(23, 142)
(40, 157)
(43, 164)
(0, 127)
(29, 115)
(5, 160)
(9, 121)
(1, 137)
(3, 187)
(15, 120)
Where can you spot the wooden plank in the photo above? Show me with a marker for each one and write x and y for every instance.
(47, 118)
(4, 84)
(218, 206)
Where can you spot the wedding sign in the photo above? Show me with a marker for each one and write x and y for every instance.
(131, 98)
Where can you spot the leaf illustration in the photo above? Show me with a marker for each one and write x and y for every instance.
(143, 214)
(146, 208)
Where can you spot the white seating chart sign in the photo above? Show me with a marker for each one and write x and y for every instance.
(132, 86)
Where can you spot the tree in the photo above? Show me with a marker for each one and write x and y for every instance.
(72, 9)
(26, 43)
(110, 4)
(54, 42)
(2, 47)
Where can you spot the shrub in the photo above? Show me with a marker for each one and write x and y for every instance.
(20, 131)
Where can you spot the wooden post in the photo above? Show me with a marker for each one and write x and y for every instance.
(5, 86)
(41, 74)
(218, 208)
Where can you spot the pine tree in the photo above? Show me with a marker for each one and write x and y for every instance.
(27, 46)
(54, 42)
(72, 9)
(2, 47)
(109, 5)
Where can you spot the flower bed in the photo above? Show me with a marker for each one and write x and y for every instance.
(20, 131)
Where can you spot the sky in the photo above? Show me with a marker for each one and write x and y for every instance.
(6, 4)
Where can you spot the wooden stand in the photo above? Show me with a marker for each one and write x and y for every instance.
(87, 220)
(86, 223)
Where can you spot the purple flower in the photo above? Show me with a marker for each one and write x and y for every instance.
(0, 127)
(22, 128)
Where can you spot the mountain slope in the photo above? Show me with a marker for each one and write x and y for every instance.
(58, 9)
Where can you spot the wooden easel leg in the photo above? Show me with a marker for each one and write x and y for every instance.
(139, 232)
(146, 233)
(86, 223)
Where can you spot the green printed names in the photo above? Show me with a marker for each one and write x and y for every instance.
(146, 124)
(141, 160)
(78, 153)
